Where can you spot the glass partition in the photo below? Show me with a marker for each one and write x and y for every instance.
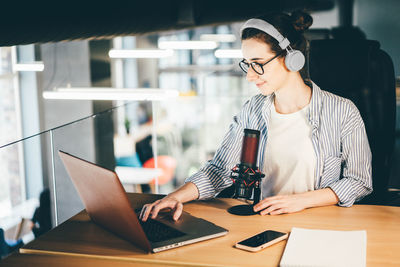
(191, 127)
(152, 146)
(78, 139)
(24, 166)
(129, 151)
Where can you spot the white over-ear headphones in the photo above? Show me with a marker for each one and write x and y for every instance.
(294, 59)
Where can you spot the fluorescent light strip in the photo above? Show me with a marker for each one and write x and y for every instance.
(228, 53)
(140, 53)
(223, 38)
(99, 93)
(34, 66)
(189, 45)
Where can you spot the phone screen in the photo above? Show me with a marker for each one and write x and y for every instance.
(262, 238)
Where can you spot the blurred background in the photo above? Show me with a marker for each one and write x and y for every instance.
(145, 90)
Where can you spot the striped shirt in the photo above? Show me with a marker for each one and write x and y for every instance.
(338, 136)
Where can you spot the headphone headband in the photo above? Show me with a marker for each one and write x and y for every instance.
(294, 59)
(264, 26)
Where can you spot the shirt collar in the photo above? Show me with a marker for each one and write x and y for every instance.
(315, 105)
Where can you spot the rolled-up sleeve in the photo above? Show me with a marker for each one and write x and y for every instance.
(356, 181)
(214, 176)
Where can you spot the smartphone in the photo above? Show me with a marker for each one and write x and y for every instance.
(261, 240)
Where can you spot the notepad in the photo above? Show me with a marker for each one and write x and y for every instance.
(309, 247)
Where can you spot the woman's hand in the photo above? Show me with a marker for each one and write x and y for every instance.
(280, 204)
(173, 202)
(168, 202)
(297, 202)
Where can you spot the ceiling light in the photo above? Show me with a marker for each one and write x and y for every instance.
(99, 93)
(187, 45)
(34, 66)
(140, 53)
(226, 38)
(228, 53)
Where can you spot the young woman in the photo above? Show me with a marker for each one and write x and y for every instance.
(313, 146)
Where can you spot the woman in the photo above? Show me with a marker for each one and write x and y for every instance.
(313, 147)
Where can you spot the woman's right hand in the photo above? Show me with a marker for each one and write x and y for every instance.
(151, 210)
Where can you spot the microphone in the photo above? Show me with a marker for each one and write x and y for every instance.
(250, 148)
(246, 176)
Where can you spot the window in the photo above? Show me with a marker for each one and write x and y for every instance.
(12, 189)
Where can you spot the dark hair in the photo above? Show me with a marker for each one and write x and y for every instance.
(290, 26)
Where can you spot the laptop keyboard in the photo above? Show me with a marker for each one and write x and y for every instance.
(156, 231)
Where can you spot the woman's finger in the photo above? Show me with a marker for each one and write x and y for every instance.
(178, 211)
(265, 204)
(148, 208)
(270, 209)
(142, 211)
(162, 205)
(278, 211)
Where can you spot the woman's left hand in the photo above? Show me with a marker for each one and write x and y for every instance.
(280, 204)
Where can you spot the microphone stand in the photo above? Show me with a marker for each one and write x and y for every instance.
(247, 182)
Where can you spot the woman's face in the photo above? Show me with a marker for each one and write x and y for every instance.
(275, 72)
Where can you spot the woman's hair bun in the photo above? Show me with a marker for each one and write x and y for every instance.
(301, 20)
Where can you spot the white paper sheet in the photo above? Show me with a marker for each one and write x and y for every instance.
(309, 247)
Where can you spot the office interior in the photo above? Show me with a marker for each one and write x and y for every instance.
(74, 80)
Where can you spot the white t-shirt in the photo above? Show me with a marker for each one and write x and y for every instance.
(290, 158)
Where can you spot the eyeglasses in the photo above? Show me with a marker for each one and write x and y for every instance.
(257, 67)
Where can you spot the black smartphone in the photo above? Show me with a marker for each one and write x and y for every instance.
(261, 240)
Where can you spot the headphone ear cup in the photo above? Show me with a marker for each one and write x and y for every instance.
(294, 60)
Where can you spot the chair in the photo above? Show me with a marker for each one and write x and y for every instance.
(167, 164)
(360, 71)
(42, 215)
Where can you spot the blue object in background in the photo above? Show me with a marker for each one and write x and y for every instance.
(129, 161)
(8, 246)
(3, 245)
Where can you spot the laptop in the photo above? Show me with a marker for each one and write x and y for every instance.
(107, 204)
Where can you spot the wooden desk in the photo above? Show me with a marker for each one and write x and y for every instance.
(40, 260)
(80, 237)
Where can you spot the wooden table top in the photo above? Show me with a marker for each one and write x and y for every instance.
(44, 260)
(79, 237)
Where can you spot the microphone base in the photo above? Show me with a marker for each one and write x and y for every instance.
(242, 210)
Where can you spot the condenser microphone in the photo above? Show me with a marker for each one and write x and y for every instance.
(245, 176)
(250, 148)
